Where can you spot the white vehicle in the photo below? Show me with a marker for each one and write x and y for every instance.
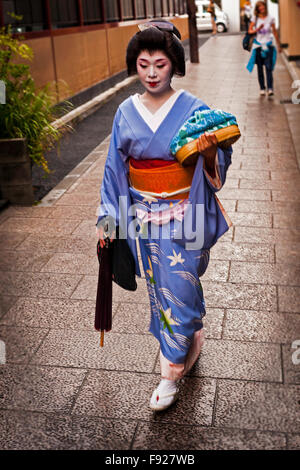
(204, 18)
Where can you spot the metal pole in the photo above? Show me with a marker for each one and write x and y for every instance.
(80, 11)
(103, 11)
(134, 9)
(1, 14)
(120, 10)
(193, 32)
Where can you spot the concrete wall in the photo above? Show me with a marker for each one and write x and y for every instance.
(274, 11)
(232, 8)
(77, 61)
(289, 26)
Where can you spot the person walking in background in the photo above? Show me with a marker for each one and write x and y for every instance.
(211, 10)
(247, 13)
(263, 52)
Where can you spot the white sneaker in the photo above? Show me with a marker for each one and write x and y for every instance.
(162, 399)
(270, 92)
(262, 92)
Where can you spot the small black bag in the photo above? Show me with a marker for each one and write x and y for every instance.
(123, 263)
(248, 40)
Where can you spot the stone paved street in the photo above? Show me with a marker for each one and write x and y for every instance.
(59, 390)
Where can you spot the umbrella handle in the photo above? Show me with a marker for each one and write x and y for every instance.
(101, 338)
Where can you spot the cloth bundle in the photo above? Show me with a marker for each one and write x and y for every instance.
(184, 145)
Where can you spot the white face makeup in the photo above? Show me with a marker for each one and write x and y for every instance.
(154, 71)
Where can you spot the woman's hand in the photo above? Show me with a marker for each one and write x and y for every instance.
(101, 236)
(207, 146)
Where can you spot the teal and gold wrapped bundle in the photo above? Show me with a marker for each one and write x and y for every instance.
(185, 143)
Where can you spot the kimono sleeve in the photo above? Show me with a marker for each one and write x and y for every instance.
(115, 179)
(222, 162)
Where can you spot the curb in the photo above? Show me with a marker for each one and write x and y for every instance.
(75, 116)
(291, 67)
(71, 178)
(81, 112)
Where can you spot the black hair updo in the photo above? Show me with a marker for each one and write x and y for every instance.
(157, 38)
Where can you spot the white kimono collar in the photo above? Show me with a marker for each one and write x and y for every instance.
(155, 120)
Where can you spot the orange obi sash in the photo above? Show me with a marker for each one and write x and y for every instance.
(167, 182)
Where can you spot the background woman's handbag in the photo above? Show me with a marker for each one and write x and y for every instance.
(248, 40)
(185, 143)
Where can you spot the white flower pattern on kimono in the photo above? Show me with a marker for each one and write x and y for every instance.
(176, 258)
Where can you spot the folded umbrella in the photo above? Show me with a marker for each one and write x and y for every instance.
(184, 145)
(116, 263)
(103, 311)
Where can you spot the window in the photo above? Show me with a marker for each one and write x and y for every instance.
(140, 8)
(32, 12)
(158, 7)
(112, 11)
(91, 11)
(64, 13)
(176, 7)
(150, 10)
(165, 8)
(127, 10)
(182, 7)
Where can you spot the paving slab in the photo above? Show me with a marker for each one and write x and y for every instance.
(243, 252)
(54, 431)
(44, 312)
(176, 437)
(81, 349)
(132, 392)
(291, 359)
(235, 295)
(238, 360)
(39, 388)
(259, 406)
(289, 299)
(261, 326)
(21, 342)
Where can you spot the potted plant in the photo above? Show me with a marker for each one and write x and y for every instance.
(26, 114)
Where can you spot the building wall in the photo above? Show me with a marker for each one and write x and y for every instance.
(232, 8)
(79, 60)
(289, 27)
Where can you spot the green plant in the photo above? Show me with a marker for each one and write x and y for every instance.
(28, 112)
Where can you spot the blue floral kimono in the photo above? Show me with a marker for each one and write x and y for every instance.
(177, 253)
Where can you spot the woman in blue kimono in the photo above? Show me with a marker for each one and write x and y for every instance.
(176, 215)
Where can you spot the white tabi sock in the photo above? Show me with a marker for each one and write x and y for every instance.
(167, 386)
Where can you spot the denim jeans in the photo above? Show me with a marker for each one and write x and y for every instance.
(267, 62)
